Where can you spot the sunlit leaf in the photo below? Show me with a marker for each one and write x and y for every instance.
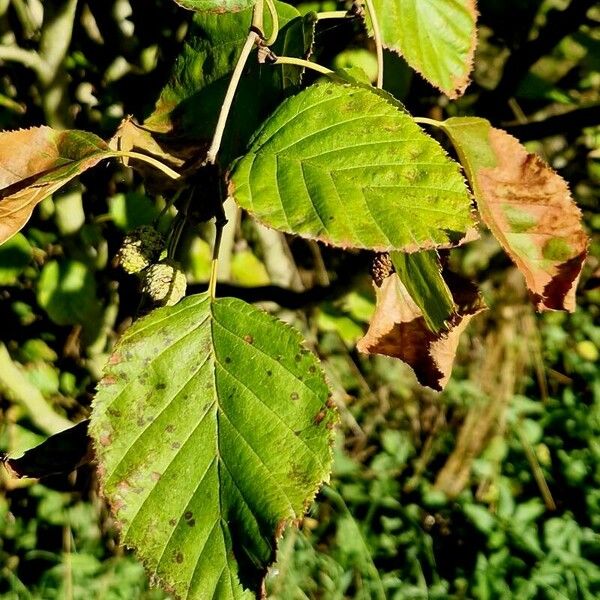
(66, 290)
(344, 165)
(436, 37)
(527, 206)
(34, 163)
(212, 429)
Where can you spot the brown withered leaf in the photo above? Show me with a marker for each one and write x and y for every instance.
(398, 329)
(34, 163)
(527, 206)
(178, 154)
(61, 453)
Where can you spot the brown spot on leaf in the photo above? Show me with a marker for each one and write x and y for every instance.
(179, 557)
(108, 380)
(330, 403)
(105, 439)
(319, 417)
(115, 359)
(170, 428)
(249, 339)
(155, 475)
(294, 396)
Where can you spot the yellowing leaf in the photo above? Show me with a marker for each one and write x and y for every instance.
(34, 163)
(436, 37)
(527, 206)
(130, 136)
(399, 329)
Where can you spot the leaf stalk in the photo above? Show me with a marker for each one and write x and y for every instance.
(300, 62)
(378, 41)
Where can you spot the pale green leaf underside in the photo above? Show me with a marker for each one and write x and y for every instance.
(436, 37)
(211, 432)
(421, 274)
(341, 164)
(216, 6)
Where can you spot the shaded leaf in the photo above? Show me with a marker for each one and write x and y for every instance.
(61, 453)
(204, 464)
(216, 6)
(342, 164)
(436, 37)
(66, 290)
(399, 329)
(34, 163)
(187, 110)
(131, 136)
(15, 255)
(421, 274)
(527, 206)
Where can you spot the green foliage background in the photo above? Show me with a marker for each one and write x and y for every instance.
(381, 529)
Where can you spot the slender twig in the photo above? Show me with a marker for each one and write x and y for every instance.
(568, 123)
(426, 121)
(334, 14)
(148, 159)
(27, 58)
(275, 21)
(251, 40)
(300, 62)
(378, 41)
(220, 222)
(257, 18)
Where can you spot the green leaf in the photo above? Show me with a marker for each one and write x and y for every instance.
(15, 255)
(341, 164)
(34, 163)
(212, 431)
(527, 206)
(188, 107)
(216, 6)
(67, 292)
(436, 37)
(421, 274)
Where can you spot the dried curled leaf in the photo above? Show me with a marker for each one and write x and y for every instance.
(62, 452)
(399, 329)
(131, 136)
(34, 163)
(527, 206)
